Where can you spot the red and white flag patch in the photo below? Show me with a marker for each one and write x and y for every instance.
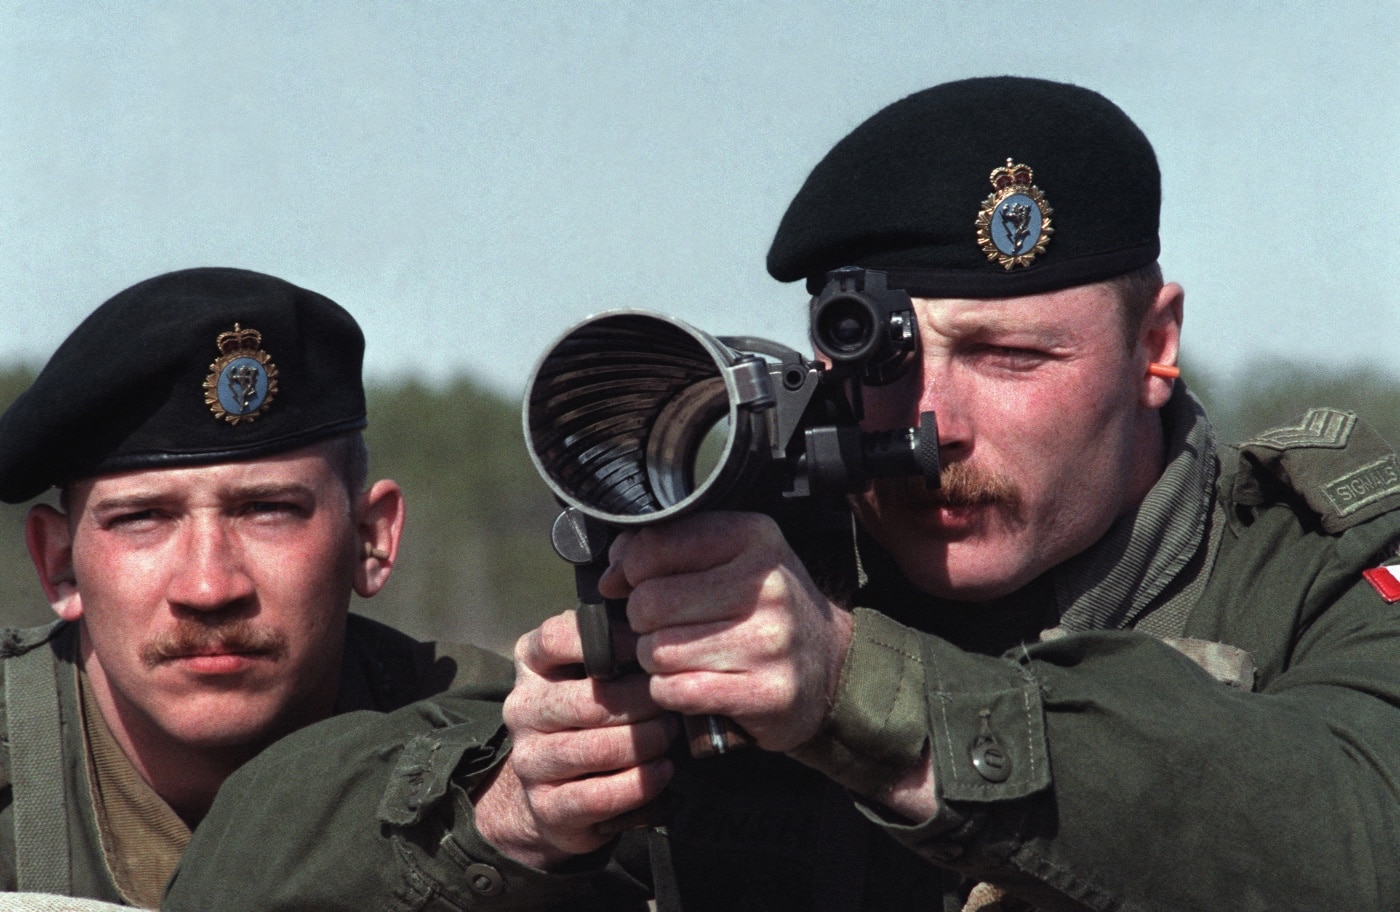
(1385, 580)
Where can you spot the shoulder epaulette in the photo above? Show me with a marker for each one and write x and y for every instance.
(1341, 468)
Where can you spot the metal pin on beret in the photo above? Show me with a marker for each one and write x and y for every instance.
(950, 192)
(189, 368)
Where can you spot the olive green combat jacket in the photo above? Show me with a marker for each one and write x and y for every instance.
(1201, 712)
(383, 669)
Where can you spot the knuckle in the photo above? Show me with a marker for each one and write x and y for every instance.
(649, 606)
(513, 713)
(769, 638)
(544, 646)
(524, 761)
(573, 755)
(602, 801)
(611, 754)
(555, 634)
(654, 654)
(749, 531)
(775, 587)
(523, 716)
(683, 693)
(591, 716)
(578, 805)
(776, 694)
(554, 807)
(612, 749)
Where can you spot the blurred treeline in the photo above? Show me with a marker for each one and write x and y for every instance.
(476, 563)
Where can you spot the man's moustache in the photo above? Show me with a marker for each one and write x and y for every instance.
(962, 485)
(191, 638)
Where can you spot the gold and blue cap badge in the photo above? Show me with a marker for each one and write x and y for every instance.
(1013, 227)
(242, 381)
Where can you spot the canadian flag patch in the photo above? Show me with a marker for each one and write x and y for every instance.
(1385, 580)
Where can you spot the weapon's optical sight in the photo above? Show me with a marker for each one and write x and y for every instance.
(859, 323)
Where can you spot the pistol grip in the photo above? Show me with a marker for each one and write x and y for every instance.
(706, 735)
(595, 630)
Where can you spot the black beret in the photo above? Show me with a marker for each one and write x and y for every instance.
(912, 191)
(189, 368)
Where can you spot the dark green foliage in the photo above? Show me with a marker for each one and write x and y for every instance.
(23, 602)
(1273, 394)
(476, 563)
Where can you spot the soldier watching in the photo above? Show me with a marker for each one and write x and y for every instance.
(203, 428)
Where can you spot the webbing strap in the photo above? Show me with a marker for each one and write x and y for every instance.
(665, 888)
(42, 856)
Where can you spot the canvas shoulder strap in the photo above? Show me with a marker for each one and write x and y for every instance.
(42, 857)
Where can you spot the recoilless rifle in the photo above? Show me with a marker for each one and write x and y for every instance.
(635, 418)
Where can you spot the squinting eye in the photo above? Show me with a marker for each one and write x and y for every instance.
(272, 508)
(135, 522)
(276, 509)
(1015, 357)
(126, 519)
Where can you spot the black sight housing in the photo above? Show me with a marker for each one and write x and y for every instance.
(862, 325)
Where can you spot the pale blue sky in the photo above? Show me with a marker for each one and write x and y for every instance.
(471, 178)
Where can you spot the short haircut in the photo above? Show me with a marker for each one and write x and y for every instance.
(1136, 291)
(350, 455)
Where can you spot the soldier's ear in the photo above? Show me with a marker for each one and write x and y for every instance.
(50, 539)
(1159, 343)
(379, 514)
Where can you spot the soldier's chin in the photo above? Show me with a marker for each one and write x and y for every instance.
(952, 576)
(233, 738)
(956, 553)
(230, 724)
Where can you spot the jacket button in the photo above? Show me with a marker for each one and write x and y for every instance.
(484, 879)
(990, 760)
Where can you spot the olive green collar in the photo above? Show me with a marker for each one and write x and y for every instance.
(1152, 557)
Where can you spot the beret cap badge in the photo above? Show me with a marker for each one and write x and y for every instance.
(242, 381)
(1013, 227)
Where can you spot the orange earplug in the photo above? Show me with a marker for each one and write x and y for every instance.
(1163, 370)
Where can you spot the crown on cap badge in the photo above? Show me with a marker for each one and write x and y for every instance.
(242, 381)
(1014, 224)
